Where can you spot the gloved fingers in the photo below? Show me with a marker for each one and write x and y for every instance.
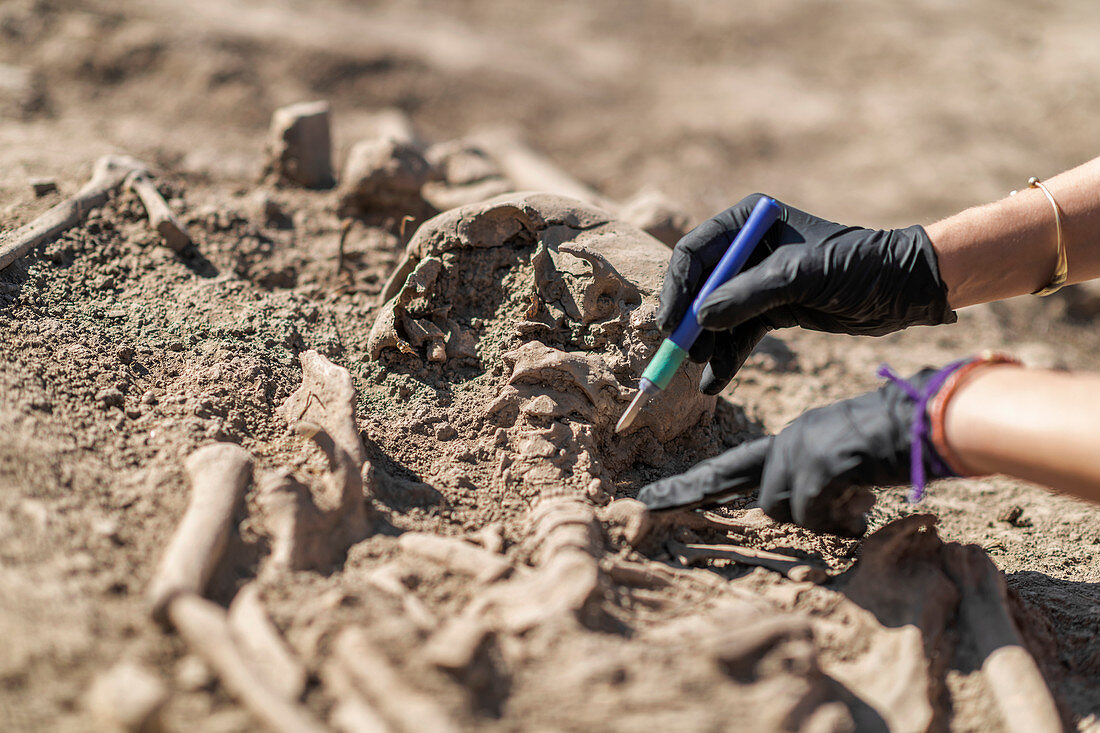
(840, 509)
(816, 484)
(775, 491)
(691, 262)
(729, 354)
(755, 292)
(735, 470)
(694, 257)
(703, 348)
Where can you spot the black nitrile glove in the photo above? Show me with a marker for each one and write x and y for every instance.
(811, 464)
(806, 272)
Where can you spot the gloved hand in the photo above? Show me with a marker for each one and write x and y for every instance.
(806, 272)
(806, 470)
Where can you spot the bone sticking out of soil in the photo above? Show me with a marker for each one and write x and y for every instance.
(108, 175)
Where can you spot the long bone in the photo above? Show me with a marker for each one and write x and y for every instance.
(219, 474)
(109, 173)
(792, 568)
(263, 646)
(1015, 680)
(170, 229)
(380, 684)
(310, 529)
(205, 627)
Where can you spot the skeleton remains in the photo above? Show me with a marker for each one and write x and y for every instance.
(526, 318)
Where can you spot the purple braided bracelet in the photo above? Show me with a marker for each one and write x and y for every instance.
(918, 432)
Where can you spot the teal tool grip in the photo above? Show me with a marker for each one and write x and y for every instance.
(663, 367)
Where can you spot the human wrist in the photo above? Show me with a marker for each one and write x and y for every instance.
(955, 416)
(999, 250)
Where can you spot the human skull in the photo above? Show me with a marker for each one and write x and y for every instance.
(537, 313)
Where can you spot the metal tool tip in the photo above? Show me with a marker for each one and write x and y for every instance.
(632, 412)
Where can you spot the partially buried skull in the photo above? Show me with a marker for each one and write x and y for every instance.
(534, 315)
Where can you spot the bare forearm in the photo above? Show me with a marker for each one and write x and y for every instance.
(1038, 425)
(1009, 247)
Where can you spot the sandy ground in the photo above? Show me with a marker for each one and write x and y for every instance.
(118, 358)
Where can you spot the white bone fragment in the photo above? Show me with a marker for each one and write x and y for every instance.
(457, 555)
(263, 646)
(219, 474)
(109, 174)
(372, 673)
(170, 229)
(204, 626)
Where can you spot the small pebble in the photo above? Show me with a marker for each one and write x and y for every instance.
(149, 398)
(445, 432)
(109, 397)
(43, 186)
(125, 354)
(1014, 515)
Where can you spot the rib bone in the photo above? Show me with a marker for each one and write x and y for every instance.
(797, 570)
(374, 676)
(261, 643)
(205, 628)
(457, 555)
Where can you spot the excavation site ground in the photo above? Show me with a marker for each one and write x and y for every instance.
(327, 311)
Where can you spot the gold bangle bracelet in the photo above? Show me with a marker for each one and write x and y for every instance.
(1061, 270)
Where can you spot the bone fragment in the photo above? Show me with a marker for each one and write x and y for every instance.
(262, 645)
(629, 519)
(108, 175)
(491, 537)
(300, 145)
(388, 579)
(297, 527)
(656, 215)
(455, 645)
(372, 673)
(1017, 684)
(384, 175)
(750, 520)
(393, 124)
(531, 171)
(352, 714)
(310, 529)
(639, 575)
(344, 481)
(326, 397)
(792, 568)
(128, 697)
(205, 628)
(457, 555)
(170, 229)
(562, 541)
(219, 474)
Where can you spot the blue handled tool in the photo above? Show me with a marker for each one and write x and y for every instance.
(674, 349)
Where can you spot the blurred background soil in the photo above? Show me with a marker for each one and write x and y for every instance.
(870, 113)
